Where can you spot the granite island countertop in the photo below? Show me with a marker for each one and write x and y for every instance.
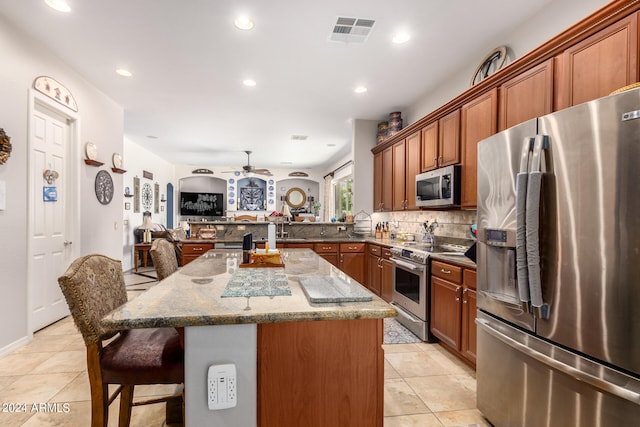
(193, 296)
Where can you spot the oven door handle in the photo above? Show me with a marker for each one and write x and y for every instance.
(406, 264)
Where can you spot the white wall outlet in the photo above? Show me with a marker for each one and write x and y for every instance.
(221, 386)
(342, 228)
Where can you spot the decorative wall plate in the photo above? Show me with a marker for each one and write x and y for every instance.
(91, 151)
(490, 64)
(117, 160)
(104, 187)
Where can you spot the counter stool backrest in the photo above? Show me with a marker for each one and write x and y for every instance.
(164, 258)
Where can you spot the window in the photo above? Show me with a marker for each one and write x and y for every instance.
(343, 197)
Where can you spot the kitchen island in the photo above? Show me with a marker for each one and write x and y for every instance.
(297, 363)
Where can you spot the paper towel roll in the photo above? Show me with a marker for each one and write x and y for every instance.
(271, 235)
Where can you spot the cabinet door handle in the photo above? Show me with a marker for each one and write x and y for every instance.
(440, 161)
(197, 249)
(442, 270)
(341, 257)
(458, 293)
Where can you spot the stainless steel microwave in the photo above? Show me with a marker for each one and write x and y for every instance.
(439, 188)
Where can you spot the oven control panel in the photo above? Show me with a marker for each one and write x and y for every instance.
(418, 257)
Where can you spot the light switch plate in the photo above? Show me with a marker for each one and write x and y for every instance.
(222, 386)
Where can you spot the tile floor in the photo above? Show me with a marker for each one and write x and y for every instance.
(424, 385)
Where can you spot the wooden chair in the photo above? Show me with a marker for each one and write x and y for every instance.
(93, 285)
(164, 258)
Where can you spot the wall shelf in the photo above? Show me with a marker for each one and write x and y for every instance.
(118, 170)
(93, 162)
(128, 195)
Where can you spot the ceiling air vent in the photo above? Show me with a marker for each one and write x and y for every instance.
(351, 30)
(299, 137)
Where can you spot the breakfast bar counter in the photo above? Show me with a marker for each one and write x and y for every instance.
(297, 362)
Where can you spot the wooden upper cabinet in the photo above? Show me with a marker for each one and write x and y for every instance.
(600, 64)
(398, 176)
(377, 182)
(479, 121)
(449, 139)
(412, 168)
(387, 175)
(527, 96)
(441, 142)
(430, 146)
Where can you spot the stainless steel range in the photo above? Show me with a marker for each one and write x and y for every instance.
(411, 295)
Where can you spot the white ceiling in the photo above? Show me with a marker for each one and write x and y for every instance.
(188, 63)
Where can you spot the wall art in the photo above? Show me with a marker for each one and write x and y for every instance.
(54, 90)
(5, 147)
(104, 187)
(136, 195)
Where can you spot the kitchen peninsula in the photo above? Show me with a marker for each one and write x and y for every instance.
(298, 363)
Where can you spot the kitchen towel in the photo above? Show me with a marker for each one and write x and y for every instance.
(257, 282)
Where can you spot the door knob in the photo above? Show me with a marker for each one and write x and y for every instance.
(67, 243)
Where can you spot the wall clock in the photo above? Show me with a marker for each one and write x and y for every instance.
(104, 187)
(147, 196)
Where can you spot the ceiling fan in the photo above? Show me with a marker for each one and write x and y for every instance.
(249, 170)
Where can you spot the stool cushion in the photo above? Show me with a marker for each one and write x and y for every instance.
(144, 356)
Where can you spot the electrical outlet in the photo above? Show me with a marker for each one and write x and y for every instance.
(242, 227)
(342, 228)
(222, 386)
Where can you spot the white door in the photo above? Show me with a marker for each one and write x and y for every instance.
(50, 251)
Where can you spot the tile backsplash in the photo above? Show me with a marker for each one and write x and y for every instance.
(450, 223)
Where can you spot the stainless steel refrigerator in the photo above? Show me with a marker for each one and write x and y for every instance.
(558, 260)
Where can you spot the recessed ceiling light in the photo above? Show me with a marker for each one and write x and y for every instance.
(123, 72)
(249, 82)
(59, 5)
(243, 23)
(360, 89)
(401, 38)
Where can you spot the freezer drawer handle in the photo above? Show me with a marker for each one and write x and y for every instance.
(600, 384)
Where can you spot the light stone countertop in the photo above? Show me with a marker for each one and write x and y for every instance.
(192, 297)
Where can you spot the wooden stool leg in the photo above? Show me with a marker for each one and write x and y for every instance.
(126, 399)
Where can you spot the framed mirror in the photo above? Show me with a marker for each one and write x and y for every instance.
(296, 197)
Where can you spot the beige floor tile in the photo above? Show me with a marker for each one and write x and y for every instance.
(36, 388)
(400, 399)
(400, 348)
(14, 419)
(443, 393)
(419, 420)
(21, 364)
(389, 372)
(468, 418)
(76, 391)
(64, 361)
(53, 343)
(6, 381)
(421, 364)
(61, 327)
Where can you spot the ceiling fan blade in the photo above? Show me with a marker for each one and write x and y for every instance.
(266, 172)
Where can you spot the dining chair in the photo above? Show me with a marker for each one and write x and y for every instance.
(164, 258)
(93, 285)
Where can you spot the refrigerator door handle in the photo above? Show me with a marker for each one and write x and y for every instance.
(534, 189)
(521, 241)
(606, 386)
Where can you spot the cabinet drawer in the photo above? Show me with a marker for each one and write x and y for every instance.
(375, 250)
(445, 271)
(196, 248)
(351, 247)
(386, 252)
(323, 248)
(469, 278)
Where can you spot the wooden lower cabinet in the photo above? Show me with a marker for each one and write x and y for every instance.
(380, 271)
(192, 250)
(352, 260)
(317, 374)
(328, 251)
(453, 308)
